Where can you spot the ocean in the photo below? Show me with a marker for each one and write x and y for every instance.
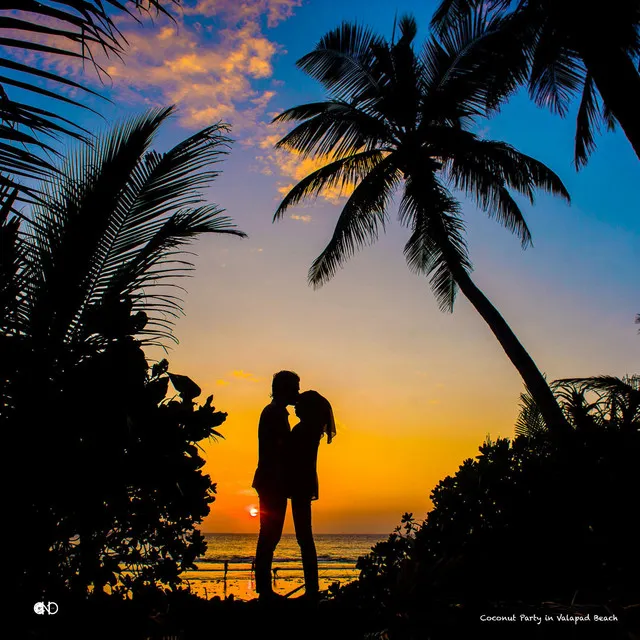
(337, 557)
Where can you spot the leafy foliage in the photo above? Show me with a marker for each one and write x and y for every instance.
(539, 518)
(536, 519)
(114, 487)
(602, 402)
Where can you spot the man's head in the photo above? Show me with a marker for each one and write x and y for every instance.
(285, 387)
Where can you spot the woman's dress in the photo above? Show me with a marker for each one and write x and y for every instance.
(303, 458)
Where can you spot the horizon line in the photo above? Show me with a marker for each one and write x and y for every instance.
(319, 533)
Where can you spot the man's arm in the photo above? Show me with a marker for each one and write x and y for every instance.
(270, 437)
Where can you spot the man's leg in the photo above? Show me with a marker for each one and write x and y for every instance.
(272, 512)
(301, 509)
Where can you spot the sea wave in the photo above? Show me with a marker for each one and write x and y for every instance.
(247, 560)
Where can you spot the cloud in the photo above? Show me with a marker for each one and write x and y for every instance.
(301, 218)
(292, 165)
(213, 71)
(275, 10)
(245, 375)
(209, 77)
(222, 383)
(216, 63)
(246, 492)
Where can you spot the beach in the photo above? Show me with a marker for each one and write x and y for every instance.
(337, 557)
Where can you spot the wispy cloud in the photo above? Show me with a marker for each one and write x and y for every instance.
(292, 165)
(301, 218)
(238, 10)
(245, 375)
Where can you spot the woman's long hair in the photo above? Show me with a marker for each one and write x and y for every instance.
(321, 408)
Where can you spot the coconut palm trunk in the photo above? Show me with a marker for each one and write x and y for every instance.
(534, 380)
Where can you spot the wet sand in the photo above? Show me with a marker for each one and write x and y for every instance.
(241, 584)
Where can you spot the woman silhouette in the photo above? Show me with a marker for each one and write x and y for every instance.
(316, 419)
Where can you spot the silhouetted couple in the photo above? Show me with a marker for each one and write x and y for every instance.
(287, 461)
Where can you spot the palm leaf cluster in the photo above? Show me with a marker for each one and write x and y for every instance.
(595, 402)
(571, 50)
(112, 227)
(396, 118)
(64, 29)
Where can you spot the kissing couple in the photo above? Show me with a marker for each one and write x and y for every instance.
(287, 460)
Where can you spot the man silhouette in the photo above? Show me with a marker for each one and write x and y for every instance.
(270, 479)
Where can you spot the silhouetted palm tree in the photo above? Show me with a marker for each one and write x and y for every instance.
(87, 27)
(112, 227)
(396, 118)
(572, 48)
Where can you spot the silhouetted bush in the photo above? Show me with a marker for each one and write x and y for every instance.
(530, 520)
(109, 482)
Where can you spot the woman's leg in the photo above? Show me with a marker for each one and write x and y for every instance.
(301, 508)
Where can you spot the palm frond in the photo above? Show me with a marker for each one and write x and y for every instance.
(155, 264)
(529, 421)
(360, 221)
(340, 173)
(342, 61)
(518, 170)
(478, 175)
(13, 266)
(608, 117)
(331, 129)
(449, 12)
(615, 404)
(114, 222)
(486, 170)
(586, 123)
(475, 64)
(556, 76)
(397, 69)
(437, 239)
(592, 117)
(609, 384)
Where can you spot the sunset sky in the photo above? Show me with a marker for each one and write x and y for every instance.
(414, 391)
